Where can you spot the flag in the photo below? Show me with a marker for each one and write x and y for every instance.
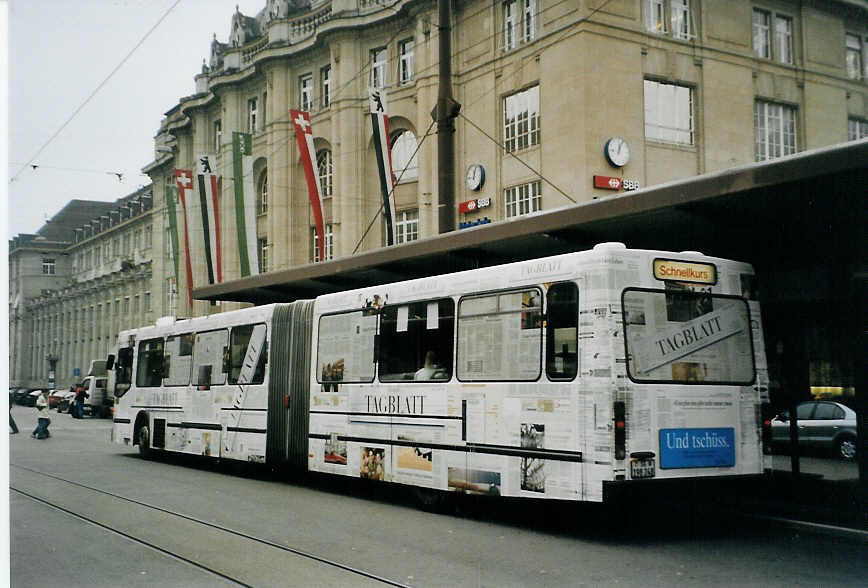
(304, 137)
(210, 207)
(380, 123)
(245, 202)
(184, 181)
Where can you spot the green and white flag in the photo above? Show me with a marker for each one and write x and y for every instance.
(171, 199)
(245, 202)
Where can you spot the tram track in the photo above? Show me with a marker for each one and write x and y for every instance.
(235, 535)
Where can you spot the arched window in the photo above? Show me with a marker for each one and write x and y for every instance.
(405, 160)
(262, 193)
(325, 170)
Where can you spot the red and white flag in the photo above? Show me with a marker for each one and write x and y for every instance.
(184, 181)
(380, 124)
(304, 137)
(210, 206)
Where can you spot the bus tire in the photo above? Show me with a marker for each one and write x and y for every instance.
(429, 499)
(144, 439)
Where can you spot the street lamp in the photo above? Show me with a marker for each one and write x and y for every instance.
(52, 364)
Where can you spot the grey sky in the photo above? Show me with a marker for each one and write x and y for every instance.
(59, 53)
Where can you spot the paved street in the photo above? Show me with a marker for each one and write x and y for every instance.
(115, 521)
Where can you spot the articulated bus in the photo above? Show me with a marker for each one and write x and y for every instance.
(550, 378)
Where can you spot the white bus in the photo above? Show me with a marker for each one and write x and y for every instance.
(550, 378)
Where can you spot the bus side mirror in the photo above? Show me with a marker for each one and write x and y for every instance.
(109, 362)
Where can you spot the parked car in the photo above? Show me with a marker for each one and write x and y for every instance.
(56, 396)
(822, 425)
(20, 395)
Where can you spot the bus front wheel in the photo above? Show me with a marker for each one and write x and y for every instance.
(144, 441)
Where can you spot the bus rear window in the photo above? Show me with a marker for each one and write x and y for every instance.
(685, 337)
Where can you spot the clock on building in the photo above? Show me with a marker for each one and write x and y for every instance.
(617, 151)
(475, 176)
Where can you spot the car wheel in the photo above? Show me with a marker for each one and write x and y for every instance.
(847, 448)
(144, 441)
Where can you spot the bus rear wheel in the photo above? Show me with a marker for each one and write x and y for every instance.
(144, 439)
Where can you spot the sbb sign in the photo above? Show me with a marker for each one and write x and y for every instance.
(612, 183)
(472, 205)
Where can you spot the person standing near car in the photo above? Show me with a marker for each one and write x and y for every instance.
(12, 424)
(41, 431)
(80, 395)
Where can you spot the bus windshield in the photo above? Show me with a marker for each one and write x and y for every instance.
(681, 336)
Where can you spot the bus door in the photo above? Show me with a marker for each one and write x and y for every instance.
(202, 419)
(415, 367)
(243, 417)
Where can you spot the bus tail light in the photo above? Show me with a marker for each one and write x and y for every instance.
(766, 413)
(620, 430)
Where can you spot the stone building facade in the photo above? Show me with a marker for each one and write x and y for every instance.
(561, 101)
(684, 87)
(75, 284)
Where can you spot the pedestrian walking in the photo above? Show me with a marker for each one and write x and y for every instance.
(12, 424)
(80, 395)
(41, 430)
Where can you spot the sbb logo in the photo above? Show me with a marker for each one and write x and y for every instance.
(614, 183)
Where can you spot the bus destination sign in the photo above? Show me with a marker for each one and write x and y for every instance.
(685, 271)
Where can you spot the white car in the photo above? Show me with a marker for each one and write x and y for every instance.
(822, 425)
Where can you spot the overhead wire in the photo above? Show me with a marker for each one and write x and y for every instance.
(95, 91)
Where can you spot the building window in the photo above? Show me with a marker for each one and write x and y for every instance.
(761, 27)
(521, 124)
(325, 170)
(136, 303)
(407, 226)
(782, 50)
(379, 63)
(856, 129)
(251, 115)
(784, 39)
(218, 135)
(262, 193)
(668, 113)
(405, 160)
(518, 27)
(126, 304)
(262, 253)
(510, 23)
(405, 64)
(523, 199)
(325, 83)
(329, 243)
(171, 296)
(147, 302)
(48, 266)
(854, 57)
(305, 92)
(148, 233)
(775, 126)
(678, 11)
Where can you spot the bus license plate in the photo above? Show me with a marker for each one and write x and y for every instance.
(643, 467)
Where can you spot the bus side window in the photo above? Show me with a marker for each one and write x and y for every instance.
(247, 341)
(416, 341)
(562, 332)
(500, 336)
(178, 359)
(208, 353)
(150, 365)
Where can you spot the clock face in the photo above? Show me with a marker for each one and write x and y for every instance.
(475, 176)
(617, 151)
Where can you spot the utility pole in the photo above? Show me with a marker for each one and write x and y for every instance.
(445, 113)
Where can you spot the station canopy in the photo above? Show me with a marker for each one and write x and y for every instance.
(800, 210)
